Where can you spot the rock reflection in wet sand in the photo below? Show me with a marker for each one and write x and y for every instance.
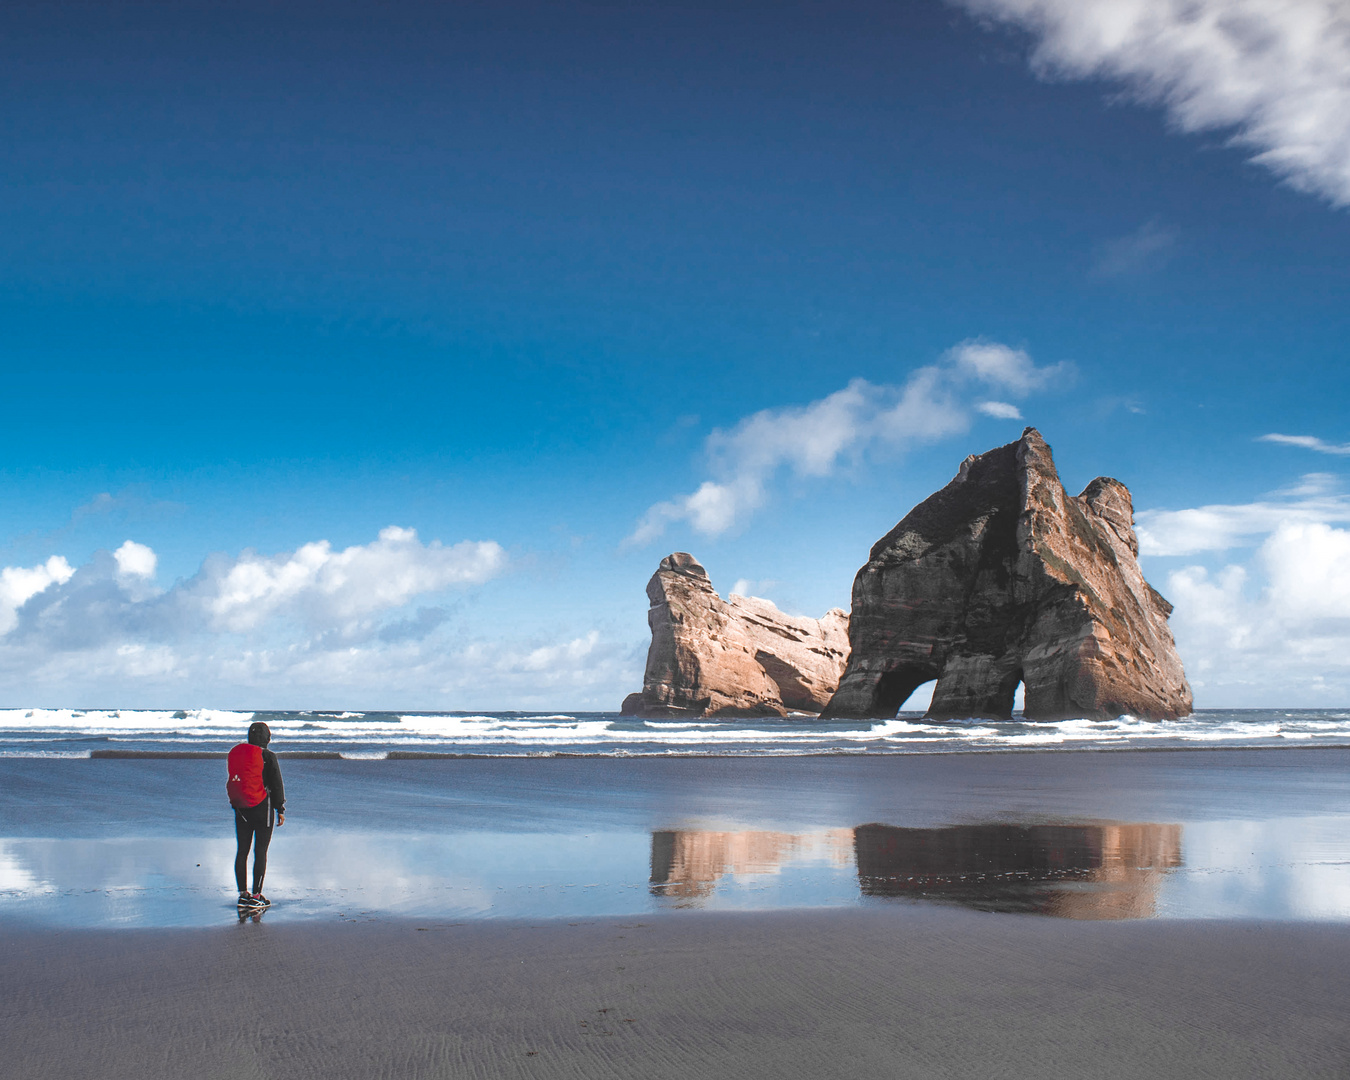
(688, 863)
(1070, 871)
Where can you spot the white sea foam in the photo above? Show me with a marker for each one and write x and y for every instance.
(97, 721)
(51, 732)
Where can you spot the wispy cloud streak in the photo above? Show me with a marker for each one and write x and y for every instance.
(1138, 252)
(1274, 72)
(1219, 527)
(1308, 442)
(814, 440)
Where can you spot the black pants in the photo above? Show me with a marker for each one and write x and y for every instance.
(256, 821)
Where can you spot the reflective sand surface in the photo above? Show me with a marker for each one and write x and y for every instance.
(1074, 871)
(1263, 834)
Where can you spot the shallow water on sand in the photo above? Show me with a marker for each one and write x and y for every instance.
(1191, 834)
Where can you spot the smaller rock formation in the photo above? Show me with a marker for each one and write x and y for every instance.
(1003, 577)
(735, 657)
(687, 864)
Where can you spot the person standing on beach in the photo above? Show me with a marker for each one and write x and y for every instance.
(255, 791)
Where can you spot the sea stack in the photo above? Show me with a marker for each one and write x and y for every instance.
(1002, 577)
(735, 657)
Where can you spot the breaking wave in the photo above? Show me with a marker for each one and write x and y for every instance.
(365, 735)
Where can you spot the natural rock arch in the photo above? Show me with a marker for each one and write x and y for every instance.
(1002, 577)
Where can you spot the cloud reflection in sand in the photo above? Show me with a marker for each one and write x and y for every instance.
(1290, 868)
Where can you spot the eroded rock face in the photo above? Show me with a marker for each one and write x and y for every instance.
(735, 657)
(999, 578)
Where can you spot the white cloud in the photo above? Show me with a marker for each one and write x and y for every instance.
(1220, 527)
(1308, 569)
(107, 601)
(442, 671)
(1312, 484)
(712, 509)
(136, 560)
(1274, 632)
(999, 410)
(335, 587)
(138, 661)
(1276, 73)
(1003, 366)
(20, 584)
(813, 440)
(571, 671)
(1272, 627)
(1144, 249)
(306, 628)
(568, 654)
(1308, 442)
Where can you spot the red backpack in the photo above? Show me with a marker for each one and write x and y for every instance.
(245, 783)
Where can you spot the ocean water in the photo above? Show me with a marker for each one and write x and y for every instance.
(113, 732)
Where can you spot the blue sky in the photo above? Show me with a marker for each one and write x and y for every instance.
(465, 292)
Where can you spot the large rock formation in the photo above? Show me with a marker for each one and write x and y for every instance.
(1001, 578)
(735, 657)
(1073, 871)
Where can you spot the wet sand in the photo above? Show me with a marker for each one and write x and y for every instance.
(904, 991)
(1262, 834)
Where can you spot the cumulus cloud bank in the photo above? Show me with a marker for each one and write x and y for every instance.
(814, 440)
(19, 584)
(1272, 626)
(1274, 631)
(315, 621)
(330, 587)
(1276, 73)
(136, 560)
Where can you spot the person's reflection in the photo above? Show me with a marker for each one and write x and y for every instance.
(1073, 871)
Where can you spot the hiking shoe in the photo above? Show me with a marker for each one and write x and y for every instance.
(259, 900)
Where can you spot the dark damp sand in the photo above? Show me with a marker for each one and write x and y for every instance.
(896, 992)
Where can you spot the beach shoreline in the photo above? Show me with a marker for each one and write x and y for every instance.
(675, 755)
(411, 736)
(901, 991)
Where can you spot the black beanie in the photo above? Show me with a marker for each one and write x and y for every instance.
(259, 734)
